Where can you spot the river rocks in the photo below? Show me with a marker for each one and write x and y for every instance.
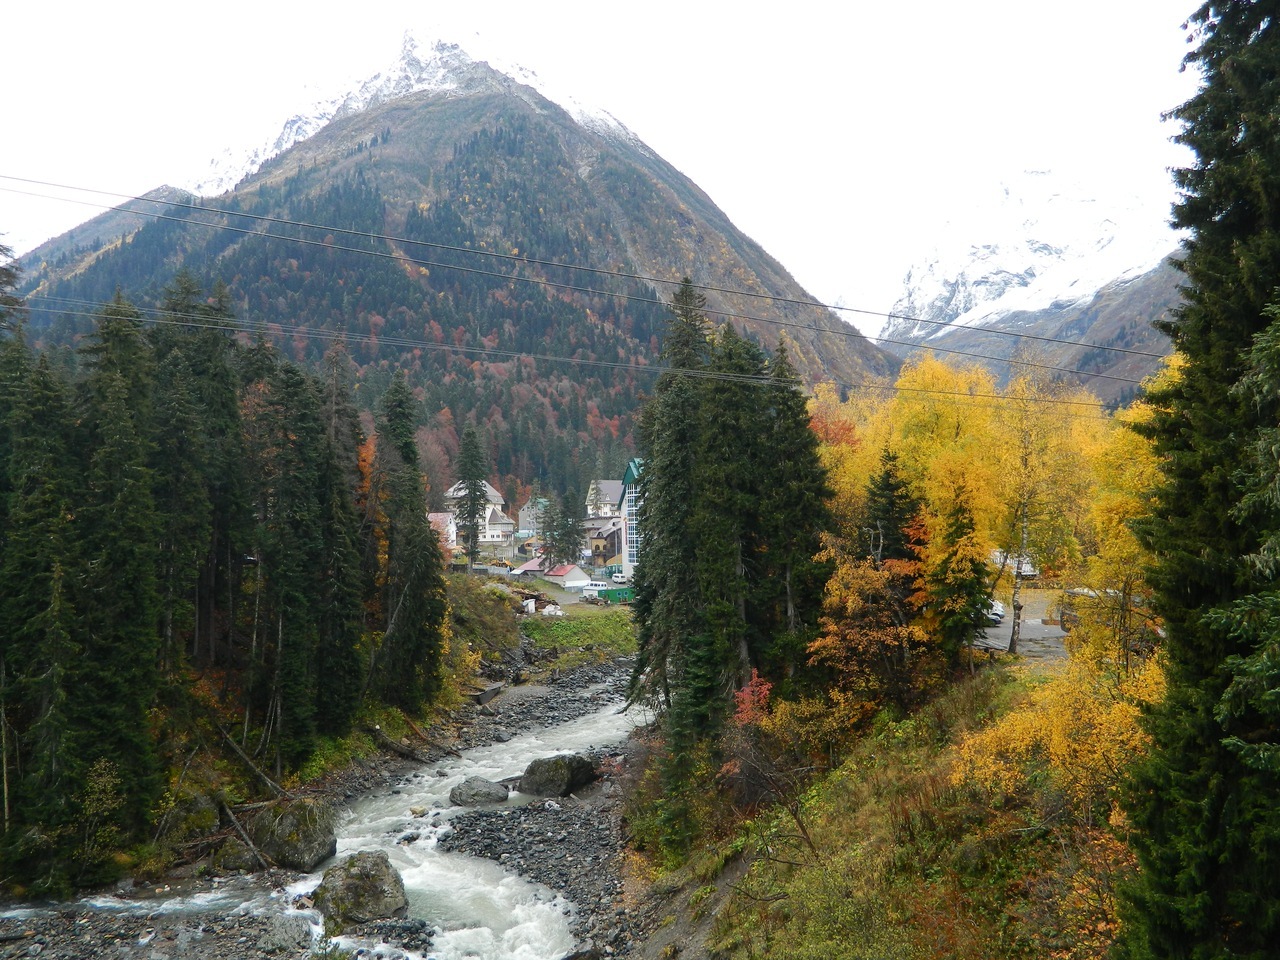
(524, 707)
(475, 790)
(285, 932)
(297, 834)
(572, 846)
(557, 776)
(363, 887)
(573, 849)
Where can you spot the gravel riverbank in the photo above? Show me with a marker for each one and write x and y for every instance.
(572, 846)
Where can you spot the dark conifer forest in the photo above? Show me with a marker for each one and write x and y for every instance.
(198, 534)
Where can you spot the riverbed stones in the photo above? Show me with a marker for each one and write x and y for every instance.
(584, 866)
(477, 790)
(361, 888)
(297, 834)
(557, 776)
(285, 932)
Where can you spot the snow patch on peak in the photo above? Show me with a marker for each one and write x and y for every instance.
(1045, 243)
(441, 67)
(437, 66)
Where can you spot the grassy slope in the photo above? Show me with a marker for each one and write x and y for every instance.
(908, 859)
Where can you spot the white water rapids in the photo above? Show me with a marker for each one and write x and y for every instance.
(478, 910)
(482, 912)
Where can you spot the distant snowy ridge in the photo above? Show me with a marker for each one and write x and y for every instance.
(441, 67)
(1044, 246)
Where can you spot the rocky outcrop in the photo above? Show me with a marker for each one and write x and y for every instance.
(476, 790)
(557, 776)
(362, 888)
(297, 834)
(234, 857)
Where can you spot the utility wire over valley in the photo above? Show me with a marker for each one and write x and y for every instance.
(519, 260)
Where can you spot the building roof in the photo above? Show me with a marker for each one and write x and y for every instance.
(496, 516)
(490, 492)
(635, 467)
(609, 526)
(604, 491)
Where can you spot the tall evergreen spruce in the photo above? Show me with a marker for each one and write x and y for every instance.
(474, 504)
(959, 585)
(731, 505)
(116, 678)
(668, 608)
(1206, 821)
(793, 506)
(293, 556)
(180, 468)
(202, 360)
(10, 305)
(891, 511)
(339, 666)
(727, 516)
(563, 534)
(39, 560)
(406, 665)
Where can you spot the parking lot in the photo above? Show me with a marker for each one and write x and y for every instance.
(1037, 640)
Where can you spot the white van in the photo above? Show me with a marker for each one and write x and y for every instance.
(620, 578)
(593, 588)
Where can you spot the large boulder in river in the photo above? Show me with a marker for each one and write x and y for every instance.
(474, 790)
(557, 776)
(363, 887)
(286, 933)
(297, 834)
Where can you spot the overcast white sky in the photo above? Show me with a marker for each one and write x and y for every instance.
(840, 136)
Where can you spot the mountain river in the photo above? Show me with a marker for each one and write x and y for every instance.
(476, 909)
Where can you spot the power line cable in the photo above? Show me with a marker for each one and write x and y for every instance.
(546, 282)
(516, 258)
(161, 316)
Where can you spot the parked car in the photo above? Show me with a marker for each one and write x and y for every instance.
(620, 578)
(995, 611)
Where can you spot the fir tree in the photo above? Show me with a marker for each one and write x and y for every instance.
(1207, 829)
(39, 554)
(793, 496)
(563, 535)
(405, 667)
(958, 585)
(667, 607)
(9, 303)
(891, 512)
(117, 673)
(474, 503)
(726, 520)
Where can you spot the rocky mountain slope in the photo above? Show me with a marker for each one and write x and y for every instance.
(479, 236)
(1059, 278)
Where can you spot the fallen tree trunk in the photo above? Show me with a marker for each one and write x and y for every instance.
(262, 860)
(275, 788)
(382, 740)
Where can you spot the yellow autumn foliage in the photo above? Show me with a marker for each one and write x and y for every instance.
(1079, 725)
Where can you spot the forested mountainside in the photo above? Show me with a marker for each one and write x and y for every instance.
(428, 232)
(1113, 339)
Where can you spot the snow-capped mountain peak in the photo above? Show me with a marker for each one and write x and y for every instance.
(1043, 245)
(439, 66)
